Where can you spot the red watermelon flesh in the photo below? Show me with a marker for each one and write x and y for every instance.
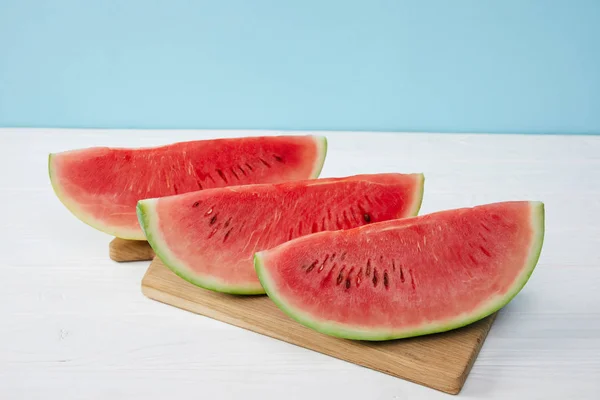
(209, 237)
(102, 185)
(406, 277)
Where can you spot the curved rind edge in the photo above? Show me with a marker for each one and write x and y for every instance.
(337, 330)
(418, 200)
(321, 142)
(84, 217)
(148, 218)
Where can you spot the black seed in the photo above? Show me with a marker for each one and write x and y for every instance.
(347, 283)
(277, 158)
(312, 266)
(401, 275)
(368, 267)
(340, 277)
(249, 167)
(375, 278)
(227, 235)
(264, 162)
(367, 218)
(196, 204)
(386, 279)
(227, 223)
(213, 219)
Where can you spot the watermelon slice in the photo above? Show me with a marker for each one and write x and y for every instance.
(101, 186)
(209, 237)
(408, 277)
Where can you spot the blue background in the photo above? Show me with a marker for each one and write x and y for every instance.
(468, 66)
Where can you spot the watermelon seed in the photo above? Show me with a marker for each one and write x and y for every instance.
(227, 223)
(485, 227)
(264, 162)
(277, 158)
(401, 275)
(175, 189)
(212, 233)
(227, 235)
(473, 259)
(333, 256)
(386, 279)
(222, 175)
(340, 277)
(196, 204)
(482, 237)
(347, 283)
(412, 279)
(249, 167)
(375, 278)
(359, 278)
(367, 218)
(393, 265)
(211, 178)
(210, 210)
(213, 219)
(368, 267)
(234, 174)
(323, 264)
(343, 256)
(199, 184)
(300, 229)
(312, 266)
(484, 251)
(242, 170)
(291, 235)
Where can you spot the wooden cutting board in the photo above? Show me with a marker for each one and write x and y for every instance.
(440, 361)
(122, 250)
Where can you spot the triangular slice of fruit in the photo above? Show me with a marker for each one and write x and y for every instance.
(408, 277)
(209, 237)
(101, 186)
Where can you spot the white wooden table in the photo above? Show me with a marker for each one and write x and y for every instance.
(74, 325)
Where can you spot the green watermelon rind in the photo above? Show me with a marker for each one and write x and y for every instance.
(322, 153)
(149, 220)
(83, 216)
(365, 333)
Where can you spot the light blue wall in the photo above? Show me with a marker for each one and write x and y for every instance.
(495, 66)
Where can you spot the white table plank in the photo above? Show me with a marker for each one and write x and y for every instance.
(75, 325)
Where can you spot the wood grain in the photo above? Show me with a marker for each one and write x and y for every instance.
(440, 361)
(122, 250)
